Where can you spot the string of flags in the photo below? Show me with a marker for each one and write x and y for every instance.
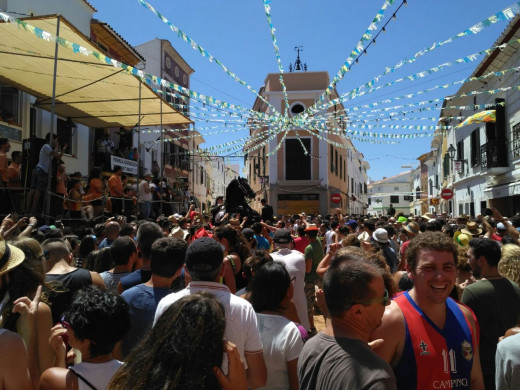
(266, 127)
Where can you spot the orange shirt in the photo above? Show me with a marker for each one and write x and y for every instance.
(74, 203)
(96, 188)
(115, 186)
(61, 187)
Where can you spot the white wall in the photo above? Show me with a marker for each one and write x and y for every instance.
(76, 12)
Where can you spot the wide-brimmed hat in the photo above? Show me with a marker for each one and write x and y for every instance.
(412, 227)
(234, 222)
(179, 233)
(10, 257)
(311, 227)
(461, 239)
(380, 235)
(428, 216)
(472, 229)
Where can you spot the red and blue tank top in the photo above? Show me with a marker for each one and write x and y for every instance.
(434, 358)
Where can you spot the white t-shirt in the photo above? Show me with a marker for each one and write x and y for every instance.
(241, 325)
(45, 158)
(329, 237)
(282, 343)
(295, 264)
(98, 374)
(144, 196)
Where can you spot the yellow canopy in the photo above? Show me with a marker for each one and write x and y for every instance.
(88, 91)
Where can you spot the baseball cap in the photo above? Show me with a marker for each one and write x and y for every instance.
(282, 236)
(248, 233)
(204, 254)
(352, 223)
(402, 219)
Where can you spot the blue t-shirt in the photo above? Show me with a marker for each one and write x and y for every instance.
(106, 243)
(262, 243)
(142, 301)
(137, 277)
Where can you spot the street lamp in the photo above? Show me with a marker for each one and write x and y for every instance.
(451, 152)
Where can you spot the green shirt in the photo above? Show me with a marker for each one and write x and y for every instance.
(313, 251)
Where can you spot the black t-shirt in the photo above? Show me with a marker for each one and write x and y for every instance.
(66, 285)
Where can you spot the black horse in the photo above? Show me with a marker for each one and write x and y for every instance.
(238, 195)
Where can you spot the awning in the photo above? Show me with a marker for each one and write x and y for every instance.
(88, 91)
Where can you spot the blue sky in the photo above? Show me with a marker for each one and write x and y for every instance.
(237, 33)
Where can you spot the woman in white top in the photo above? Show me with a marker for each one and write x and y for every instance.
(271, 292)
(95, 322)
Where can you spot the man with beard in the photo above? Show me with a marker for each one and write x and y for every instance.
(494, 299)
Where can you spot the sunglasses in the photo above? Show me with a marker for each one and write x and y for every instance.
(385, 300)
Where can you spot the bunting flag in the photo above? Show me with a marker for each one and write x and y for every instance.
(479, 117)
(366, 37)
(328, 126)
(195, 46)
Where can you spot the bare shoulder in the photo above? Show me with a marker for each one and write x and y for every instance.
(97, 279)
(58, 378)
(468, 313)
(11, 344)
(392, 331)
(43, 308)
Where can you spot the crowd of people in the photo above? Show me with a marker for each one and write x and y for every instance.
(104, 192)
(221, 302)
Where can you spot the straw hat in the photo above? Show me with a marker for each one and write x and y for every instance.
(412, 227)
(428, 216)
(310, 227)
(179, 233)
(461, 239)
(10, 257)
(472, 229)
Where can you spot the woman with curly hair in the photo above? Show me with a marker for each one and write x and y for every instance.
(237, 249)
(509, 264)
(94, 323)
(23, 280)
(183, 351)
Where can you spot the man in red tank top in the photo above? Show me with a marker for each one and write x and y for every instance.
(431, 340)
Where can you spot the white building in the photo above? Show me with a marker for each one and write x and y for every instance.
(393, 191)
(357, 181)
(485, 168)
(102, 100)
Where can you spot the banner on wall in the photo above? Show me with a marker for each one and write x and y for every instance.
(128, 166)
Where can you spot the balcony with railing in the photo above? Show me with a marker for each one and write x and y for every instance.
(515, 148)
(494, 156)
